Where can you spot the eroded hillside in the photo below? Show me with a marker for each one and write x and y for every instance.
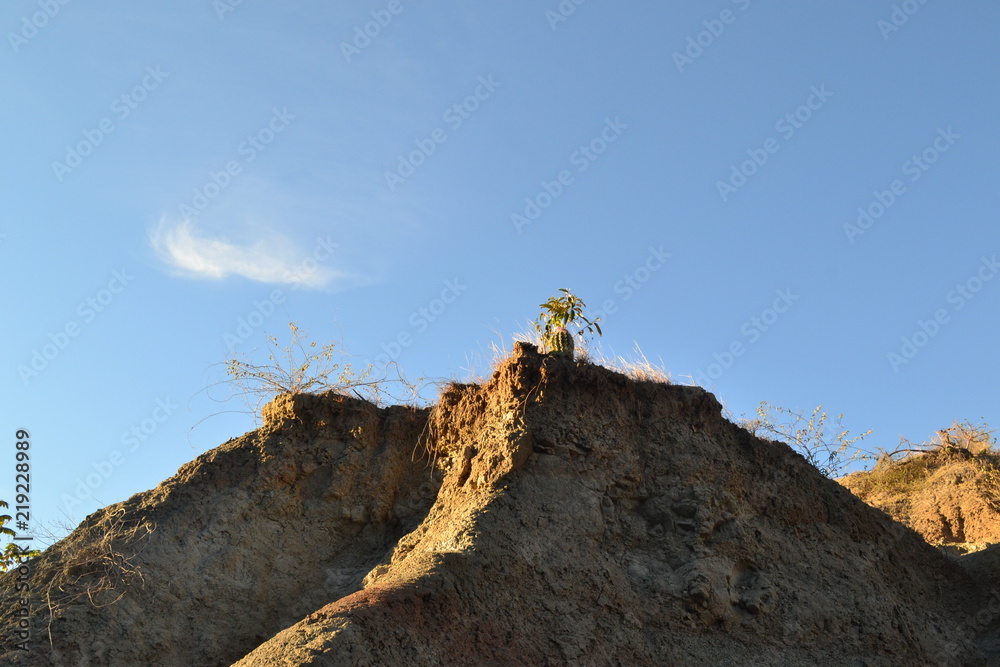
(565, 514)
(242, 542)
(949, 491)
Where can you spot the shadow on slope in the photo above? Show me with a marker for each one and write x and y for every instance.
(240, 543)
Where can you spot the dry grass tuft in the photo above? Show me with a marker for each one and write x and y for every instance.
(637, 367)
(962, 442)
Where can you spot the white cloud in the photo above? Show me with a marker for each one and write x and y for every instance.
(270, 260)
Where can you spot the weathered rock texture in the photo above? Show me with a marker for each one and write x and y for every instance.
(949, 496)
(242, 542)
(583, 518)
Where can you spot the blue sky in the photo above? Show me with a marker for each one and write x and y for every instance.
(792, 202)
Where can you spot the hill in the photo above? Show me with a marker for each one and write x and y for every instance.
(948, 492)
(559, 513)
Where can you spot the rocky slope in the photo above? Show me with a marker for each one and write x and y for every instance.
(240, 543)
(566, 515)
(949, 494)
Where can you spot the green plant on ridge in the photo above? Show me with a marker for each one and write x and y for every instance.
(12, 555)
(557, 314)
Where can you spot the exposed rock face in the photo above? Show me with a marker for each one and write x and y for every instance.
(589, 519)
(942, 495)
(583, 518)
(240, 543)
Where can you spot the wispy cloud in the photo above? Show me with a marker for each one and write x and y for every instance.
(273, 259)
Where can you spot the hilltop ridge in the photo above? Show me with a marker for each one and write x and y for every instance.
(558, 513)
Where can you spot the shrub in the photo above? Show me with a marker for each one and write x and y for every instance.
(825, 446)
(910, 466)
(558, 313)
(302, 366)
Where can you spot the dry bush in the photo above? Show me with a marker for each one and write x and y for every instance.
(302, 366)
(906, 469)
(826, 446)
(102, 568)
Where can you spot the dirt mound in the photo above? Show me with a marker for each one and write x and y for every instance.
(242, 542)
(577, 517)
(949, 494)
(589, 519)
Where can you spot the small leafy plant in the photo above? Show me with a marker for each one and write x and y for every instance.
(557, 314)
(12, 555)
